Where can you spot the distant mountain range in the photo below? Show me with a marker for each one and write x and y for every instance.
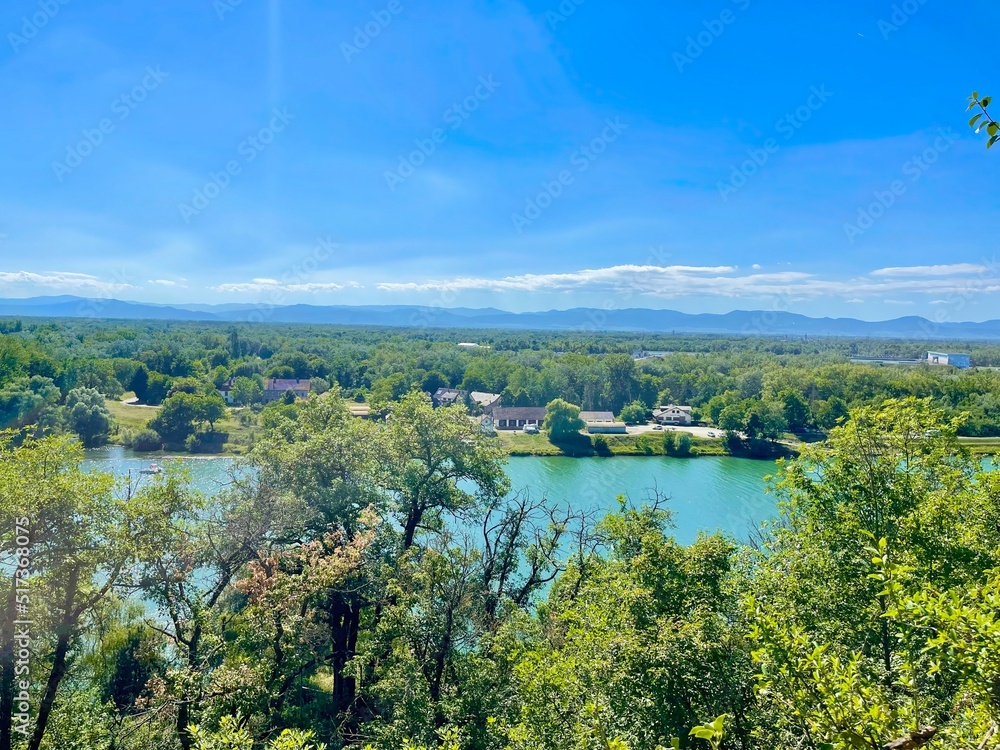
(739, 322)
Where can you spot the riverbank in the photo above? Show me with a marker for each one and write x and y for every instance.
(645, 444)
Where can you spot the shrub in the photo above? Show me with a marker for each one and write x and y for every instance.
(669, 443)
(601, 446)
(146, 440)
(684, 445)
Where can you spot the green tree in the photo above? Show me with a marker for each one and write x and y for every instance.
(177, 417)
(86, 414)
(84, 537)
(635, 413)
(246, 391)
(211, 408)
(562, 420)
(796, 410)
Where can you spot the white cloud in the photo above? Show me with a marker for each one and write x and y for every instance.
(756, 266)
(712, 281)
(955, 269)
(899, 302)
(273, 285)
(62, 280)
(168, 282)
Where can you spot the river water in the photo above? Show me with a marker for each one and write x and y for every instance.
(706, 494)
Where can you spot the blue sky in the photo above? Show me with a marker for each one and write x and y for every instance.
(726, 154)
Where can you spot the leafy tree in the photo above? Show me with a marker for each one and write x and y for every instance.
(633, 649)
(176, 419)
(157, 388)
(139, 384)
(246, 391)
(635, 413)
(562, 420)
(211, 408)
(894, 475)
(831, 413)
(796, 411)
(86, 414)
(85, 537)
(30, 402)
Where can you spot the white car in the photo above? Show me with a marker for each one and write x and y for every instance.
(711, 434)
(658, 427)
(531, 429)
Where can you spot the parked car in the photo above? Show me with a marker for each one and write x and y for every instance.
(658, 427)
(531, 429)
(711, 434)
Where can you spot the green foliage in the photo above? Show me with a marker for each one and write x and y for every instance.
(86, 414)
(983, 119)
(231, 736)
(635, 413)
(562, 420)
(32, 403)
(145, 441)
(182, 412)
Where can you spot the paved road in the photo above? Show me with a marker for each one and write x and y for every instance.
(699, 431)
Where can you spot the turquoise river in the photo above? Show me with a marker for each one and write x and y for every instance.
(706, 494)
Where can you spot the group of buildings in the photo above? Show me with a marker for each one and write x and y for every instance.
(493, 415)
(935, 359)
(497, 417)
(274, 389)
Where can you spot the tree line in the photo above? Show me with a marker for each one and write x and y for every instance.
(758, 386)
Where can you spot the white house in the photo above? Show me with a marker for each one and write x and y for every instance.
(673, 414)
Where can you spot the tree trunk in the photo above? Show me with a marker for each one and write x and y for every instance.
(184, 709)
(58, 671)
(410, 529)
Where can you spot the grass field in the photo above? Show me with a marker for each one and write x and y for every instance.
(135, 419)
(650, 444)
(982, 446)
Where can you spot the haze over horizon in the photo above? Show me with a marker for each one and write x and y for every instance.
(515, 158)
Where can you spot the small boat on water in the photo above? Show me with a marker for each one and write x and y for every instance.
(153, 469)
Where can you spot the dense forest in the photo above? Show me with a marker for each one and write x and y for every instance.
(373, 584)
(55, 376)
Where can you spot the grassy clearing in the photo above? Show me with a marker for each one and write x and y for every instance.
(135, 418)
(648, 444)
(989, 446)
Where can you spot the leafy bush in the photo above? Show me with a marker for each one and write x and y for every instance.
(144, 441)
(601, 446)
